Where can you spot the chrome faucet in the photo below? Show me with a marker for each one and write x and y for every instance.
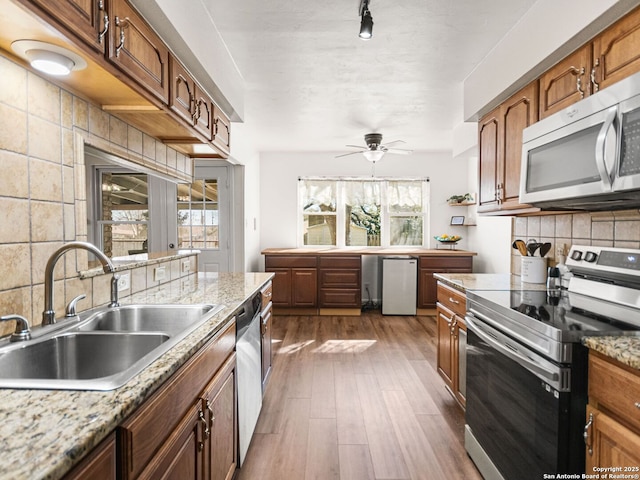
(49, 314)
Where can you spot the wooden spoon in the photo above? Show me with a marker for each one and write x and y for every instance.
(521, 247)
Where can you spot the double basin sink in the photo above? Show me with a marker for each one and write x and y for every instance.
(101, 349)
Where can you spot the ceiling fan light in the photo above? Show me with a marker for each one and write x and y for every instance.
(373, 155)
(366, 25)
(50, 62)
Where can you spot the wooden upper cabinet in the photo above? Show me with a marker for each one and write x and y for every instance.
(87, 19)
(616, 52)
(136, 49)
(188, 100)
(500, 146)
(488, 146)
(221, 131)
(566, 83)
(517, 113)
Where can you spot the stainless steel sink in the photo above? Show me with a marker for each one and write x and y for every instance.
(102, 350)
(171, 319)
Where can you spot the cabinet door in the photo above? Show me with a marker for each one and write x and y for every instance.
(281, 286)
(427, 287)
(221, 131)
(489, 148)
(136, 49)
(304, 282)
(203, 114)
(565, 83)
(100, 464)
(182, 455)
(445, 319)
(182, 93)
(616, 52)
(517, 113)
(87, 19)
(220, 403)
(460, 387)
(610, 444)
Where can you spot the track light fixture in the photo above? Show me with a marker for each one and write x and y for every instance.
(366, 23)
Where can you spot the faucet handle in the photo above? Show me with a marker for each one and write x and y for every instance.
(71, 308)
(22, 331)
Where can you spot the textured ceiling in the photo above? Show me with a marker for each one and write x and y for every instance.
(312, 84)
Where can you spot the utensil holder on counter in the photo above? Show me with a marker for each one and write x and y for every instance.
(533, 270)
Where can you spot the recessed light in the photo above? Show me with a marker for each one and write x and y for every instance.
(48, 58)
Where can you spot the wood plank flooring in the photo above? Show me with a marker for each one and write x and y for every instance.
(357, 398)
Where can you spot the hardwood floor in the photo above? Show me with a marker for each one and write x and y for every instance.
(355, 398)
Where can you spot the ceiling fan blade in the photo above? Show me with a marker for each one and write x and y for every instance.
(399, 151)
(347, 154)
(395, 141)
(357, 146)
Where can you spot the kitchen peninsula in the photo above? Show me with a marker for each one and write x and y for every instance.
(328, 280)
(44, 433)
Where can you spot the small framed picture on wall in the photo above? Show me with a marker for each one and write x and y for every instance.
(457, 220)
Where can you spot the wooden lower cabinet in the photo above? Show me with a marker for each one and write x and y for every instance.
(427, 283)
(172, 434)
(100, 464)
(452, 336)
(612, 429)
(339, 282)
(295, 281)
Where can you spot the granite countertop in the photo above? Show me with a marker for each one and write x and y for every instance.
(487, 281)
(43, 433)
(368, 251)
(625, 349)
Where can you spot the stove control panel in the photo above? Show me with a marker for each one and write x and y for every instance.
(604, 260)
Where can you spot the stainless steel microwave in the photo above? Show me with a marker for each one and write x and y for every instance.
(587, 156)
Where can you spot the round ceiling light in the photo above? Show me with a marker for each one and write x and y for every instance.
(48, 58)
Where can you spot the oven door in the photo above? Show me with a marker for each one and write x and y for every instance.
(518, 408)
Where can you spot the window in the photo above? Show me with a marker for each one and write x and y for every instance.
(363, 211)
(198, 217)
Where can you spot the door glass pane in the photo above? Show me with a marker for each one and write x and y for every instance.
(362, 213)
(198, 215)
(124, 213)
(406, 230)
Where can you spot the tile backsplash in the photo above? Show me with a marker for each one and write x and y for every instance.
(609, 229)
(42, 186)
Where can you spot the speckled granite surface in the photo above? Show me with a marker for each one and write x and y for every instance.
(44, 432)
(486, 281)
(624, 349)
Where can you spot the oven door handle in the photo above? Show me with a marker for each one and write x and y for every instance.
(511, 353)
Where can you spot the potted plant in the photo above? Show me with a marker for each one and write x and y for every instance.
(453, 199)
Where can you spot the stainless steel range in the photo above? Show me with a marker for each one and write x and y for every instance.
(527, 370)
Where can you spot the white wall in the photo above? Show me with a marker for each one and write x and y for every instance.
(279, 174)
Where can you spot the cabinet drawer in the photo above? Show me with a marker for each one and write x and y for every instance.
(340, 262)
(615, 389)
(453, 299)
(445, 262)
(145, 432)
(290, 261)
(340, 298)
(340, 278)
(267, 294)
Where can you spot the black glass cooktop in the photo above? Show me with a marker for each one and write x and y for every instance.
(555, 313)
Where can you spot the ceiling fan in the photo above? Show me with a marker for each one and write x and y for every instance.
(375, 149)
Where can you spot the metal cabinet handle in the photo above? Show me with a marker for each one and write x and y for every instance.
(637, 404)
(587, 436)
(105, 20)
(207, 432)
(596, 87)
(453, 300)
(212, 417)
(120, 24)
(579, 82)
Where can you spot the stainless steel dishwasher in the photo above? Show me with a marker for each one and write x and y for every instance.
(249, 371)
